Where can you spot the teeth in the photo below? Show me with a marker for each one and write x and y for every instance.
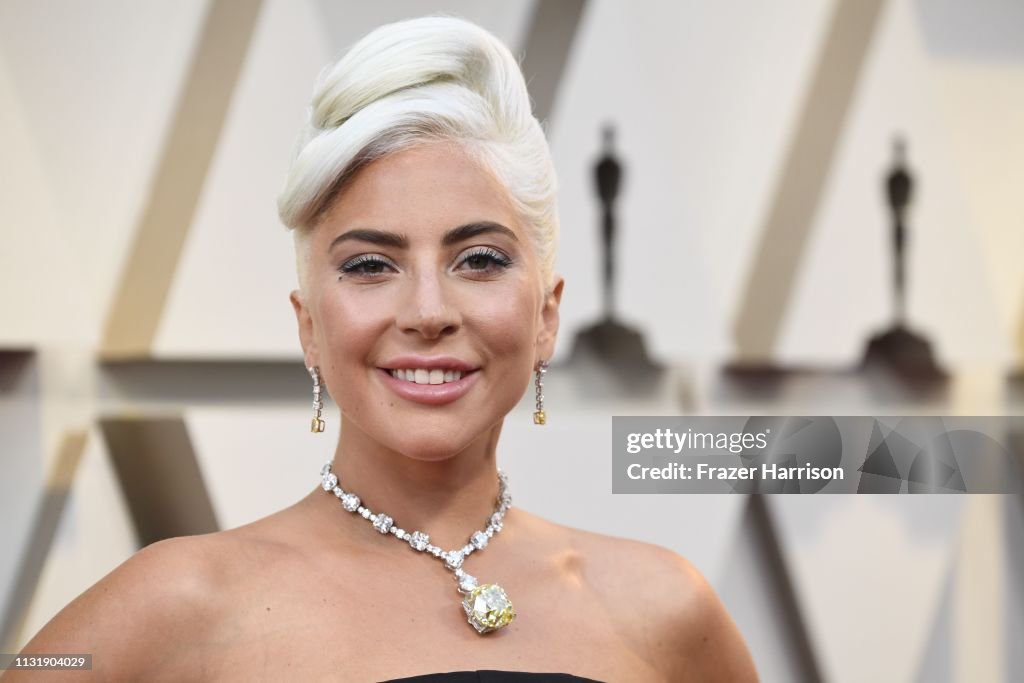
(423, 376)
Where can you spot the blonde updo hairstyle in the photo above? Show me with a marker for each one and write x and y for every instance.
(418, 81)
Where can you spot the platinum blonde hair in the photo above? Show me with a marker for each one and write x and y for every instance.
(416, 81)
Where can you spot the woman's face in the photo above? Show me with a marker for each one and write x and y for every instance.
(422, 266)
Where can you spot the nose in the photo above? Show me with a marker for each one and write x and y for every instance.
(427, 307)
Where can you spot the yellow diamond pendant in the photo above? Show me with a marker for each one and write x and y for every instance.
(539, 417)
(488, 608)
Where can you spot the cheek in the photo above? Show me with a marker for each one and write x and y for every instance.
(505, 324)
(510, 345)
(348, 329)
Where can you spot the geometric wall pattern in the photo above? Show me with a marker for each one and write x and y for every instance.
(144, 276)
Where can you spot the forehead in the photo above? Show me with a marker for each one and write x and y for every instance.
(422, 190)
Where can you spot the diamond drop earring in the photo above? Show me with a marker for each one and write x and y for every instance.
(539, 416)
(317, 425)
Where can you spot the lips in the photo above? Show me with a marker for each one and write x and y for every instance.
(430, 394)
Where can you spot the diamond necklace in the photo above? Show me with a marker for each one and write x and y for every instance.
(487, 606)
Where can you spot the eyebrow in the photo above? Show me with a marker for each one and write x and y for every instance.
(385, 238)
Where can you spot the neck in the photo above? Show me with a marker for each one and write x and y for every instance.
(447, 498)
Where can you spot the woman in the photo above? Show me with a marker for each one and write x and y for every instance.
(423, 202)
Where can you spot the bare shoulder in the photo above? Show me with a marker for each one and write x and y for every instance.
(670, 610)
(143, 615)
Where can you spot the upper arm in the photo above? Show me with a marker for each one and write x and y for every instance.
(134, 618)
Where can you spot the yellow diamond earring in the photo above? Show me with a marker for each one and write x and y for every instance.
(317, 425)
(539, 416)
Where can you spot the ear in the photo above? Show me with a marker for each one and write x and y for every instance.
(549, 320)
(306, 333)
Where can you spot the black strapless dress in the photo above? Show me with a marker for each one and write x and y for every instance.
(489, 676)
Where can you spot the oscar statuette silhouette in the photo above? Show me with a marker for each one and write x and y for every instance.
(609, 345)
(900, 350)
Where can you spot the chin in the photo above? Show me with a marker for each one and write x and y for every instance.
(441, 442)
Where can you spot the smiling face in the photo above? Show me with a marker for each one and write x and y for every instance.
(421, 265)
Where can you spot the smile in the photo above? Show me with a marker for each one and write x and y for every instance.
(421, 376)
(430, 387)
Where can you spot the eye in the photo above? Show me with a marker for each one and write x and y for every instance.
(367, 265)
(486, 260)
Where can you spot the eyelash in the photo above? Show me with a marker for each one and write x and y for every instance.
(353, 266)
